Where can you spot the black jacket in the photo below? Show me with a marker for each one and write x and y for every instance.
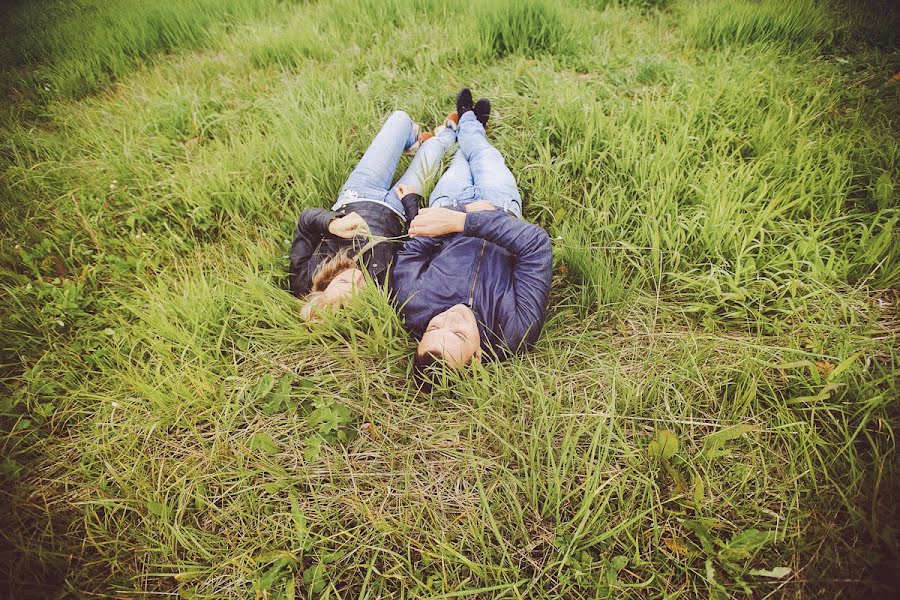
(499, 266)
(313, 244)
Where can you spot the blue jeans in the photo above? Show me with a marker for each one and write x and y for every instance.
(371, 179)
(476, 172)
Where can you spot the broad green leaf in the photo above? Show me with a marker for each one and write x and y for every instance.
(703, 531)
(289, 588)
(157, 508)
(884, 188)
(272, 575)
(716, 441)
(200, 501)
(618, 563)
(664, 445)
(277, 399)
(262, 442)
(746, 543)
(314, 578)
(698, 492)
(313, 448)
(843, 366)
(329, 419)
(263, 386)
(297, 515)
(824, 394)
(333, 556)
(274, 487)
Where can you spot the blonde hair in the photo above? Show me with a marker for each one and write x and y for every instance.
(325, 273)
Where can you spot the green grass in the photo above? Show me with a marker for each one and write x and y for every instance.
(713, 399)
(530, 28)
(792, 23)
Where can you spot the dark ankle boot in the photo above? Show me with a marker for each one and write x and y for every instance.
(482, 111)
(463, 102)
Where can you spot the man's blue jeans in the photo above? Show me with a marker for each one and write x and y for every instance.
(371, 179)
(476, 172)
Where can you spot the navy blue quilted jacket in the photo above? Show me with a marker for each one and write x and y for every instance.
(499, 266)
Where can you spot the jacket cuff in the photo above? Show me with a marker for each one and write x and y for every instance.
(410, 204)
(475, 221)
(323, 219)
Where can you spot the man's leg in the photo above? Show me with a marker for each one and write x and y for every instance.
(455, 184)
(492, 179)
(424, 166)
(373, 175)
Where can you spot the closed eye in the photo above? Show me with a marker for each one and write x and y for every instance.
(460, 336)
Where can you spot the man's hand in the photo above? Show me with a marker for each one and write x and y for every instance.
(480, 206)
(404, 190)
(432, 222)
(349, 226)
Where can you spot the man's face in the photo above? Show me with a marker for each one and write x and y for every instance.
(452, 334)
(342, 286)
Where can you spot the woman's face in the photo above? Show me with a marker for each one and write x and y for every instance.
(342, 287)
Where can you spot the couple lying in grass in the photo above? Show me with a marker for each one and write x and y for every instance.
(473, 278)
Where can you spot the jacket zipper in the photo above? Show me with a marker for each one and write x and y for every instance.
(475, 278)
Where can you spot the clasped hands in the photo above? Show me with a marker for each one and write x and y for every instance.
(432, 222)
(352, 225)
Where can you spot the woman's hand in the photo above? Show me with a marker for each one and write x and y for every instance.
(404, 190)
(349, 226)
(480, 206)
(432, 222)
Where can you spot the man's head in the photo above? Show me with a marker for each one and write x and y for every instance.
(334, 283)
(451, 337)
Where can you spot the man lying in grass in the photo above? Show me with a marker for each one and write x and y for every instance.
(474, 278)
(332, 247)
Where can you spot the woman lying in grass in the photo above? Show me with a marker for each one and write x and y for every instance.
(331, 248)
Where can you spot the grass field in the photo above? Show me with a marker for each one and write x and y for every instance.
(712, 407)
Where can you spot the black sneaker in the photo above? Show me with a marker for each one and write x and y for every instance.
(463, 101)
(482, 111)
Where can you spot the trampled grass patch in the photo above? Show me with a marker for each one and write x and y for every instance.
(708, 412)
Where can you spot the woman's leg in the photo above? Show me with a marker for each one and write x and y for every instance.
(427, 161)
(372, 176)
(455, 184)
(492, 179)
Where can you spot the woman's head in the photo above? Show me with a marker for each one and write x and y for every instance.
(333, 284)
